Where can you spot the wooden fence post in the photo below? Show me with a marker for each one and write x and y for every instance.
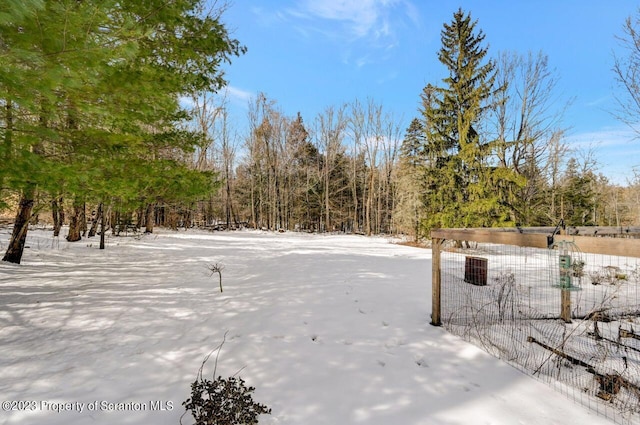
(565, 279)
(565, 305)
(436, 245)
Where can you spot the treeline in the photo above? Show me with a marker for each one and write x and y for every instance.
(336, 174)
(353, 169)
(487, 149)
(109, 120)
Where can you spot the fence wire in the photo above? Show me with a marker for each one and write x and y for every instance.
(509, 300)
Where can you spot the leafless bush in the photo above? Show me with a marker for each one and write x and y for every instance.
(216, 268)
(505, 297)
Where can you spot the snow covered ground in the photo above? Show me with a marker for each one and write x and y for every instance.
(330, 329)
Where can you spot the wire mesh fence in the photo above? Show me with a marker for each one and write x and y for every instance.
(568, 316)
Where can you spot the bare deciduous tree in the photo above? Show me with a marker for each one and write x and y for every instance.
(329, 134)
(626, 69)
(527, 129)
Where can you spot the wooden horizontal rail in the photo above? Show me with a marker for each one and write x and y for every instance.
(623, 247)
(497, 236)
(622, 231)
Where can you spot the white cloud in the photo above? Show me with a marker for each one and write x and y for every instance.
(231, 94)
(361, 18)
(268, 18)
(373, 20)
(363, 60)
(616, 149)
(599, 101)
(186, 102)
(374, 23)
(413, 13)
(607, 137)
(238, 96)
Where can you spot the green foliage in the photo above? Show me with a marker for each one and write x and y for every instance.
(412, 149)
(577, 196)
(223, 402)
(463, 184)
(89, 96)
(409, 209)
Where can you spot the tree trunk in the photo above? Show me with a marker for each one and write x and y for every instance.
(83, 219)
(140, 217)
(159, 216)
(149, 220)
(253, 204)
(96, 220)
(20, 227)
(57, 211)
(186, 217)
(326, 198)
(278, 217)
(75, 224)
(228, 203)
(115, 223)
(102, 228)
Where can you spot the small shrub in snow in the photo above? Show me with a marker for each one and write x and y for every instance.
(222, 401)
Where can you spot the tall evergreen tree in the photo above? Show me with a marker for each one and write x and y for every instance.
(409, 209)
(304, 207)
(465, 194)
(577, 195)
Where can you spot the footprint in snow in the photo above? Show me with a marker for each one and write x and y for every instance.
(422, 362)
(395, 343)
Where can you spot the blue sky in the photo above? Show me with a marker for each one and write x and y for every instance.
(310, 54)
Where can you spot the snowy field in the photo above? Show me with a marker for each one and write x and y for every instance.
(330, 329)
